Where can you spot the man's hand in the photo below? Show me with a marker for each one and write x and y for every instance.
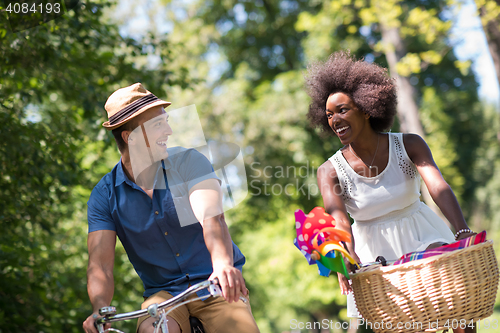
(231, 282)
(89, 323)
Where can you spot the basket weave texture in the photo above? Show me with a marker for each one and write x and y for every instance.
(429, 294)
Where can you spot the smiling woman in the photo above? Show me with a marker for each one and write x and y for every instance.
(369, 86)
(379, 173)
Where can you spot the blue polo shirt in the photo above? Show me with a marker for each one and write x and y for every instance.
(166, 254)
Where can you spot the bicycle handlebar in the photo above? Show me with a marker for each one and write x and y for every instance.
(111, 317)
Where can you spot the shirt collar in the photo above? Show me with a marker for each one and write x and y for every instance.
(121, 177)
(166, 163)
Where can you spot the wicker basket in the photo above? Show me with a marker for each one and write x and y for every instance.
(429, 294)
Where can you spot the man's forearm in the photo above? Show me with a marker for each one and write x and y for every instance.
(220, 246)
(218, 240)
(100, 287)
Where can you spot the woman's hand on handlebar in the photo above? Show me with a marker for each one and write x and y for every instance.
(344, 284)
(345, 287)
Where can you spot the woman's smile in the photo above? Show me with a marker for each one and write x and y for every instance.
(344, 118)
(341, 131)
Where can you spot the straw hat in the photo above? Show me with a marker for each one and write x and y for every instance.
(129, 102)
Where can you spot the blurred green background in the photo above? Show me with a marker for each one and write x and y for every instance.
(242, 63)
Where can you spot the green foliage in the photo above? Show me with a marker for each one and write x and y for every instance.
(242, 64)
(54, 80)
(486, 170)
(438, 127)
(37, 171)
(260, 33)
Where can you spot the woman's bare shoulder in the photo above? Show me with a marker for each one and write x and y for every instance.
(327, 170)
(415, 146)
(411, 140)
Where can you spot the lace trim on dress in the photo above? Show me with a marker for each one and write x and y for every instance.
(346, 184)
(405, 166)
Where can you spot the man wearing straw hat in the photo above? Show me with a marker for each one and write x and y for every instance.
(137, 203)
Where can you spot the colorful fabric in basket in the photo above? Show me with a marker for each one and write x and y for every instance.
(463, 243)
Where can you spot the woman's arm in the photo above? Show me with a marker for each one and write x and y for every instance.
(331, 191)
(440, 191)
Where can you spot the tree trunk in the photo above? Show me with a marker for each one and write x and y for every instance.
(409, 120)
(407, 107)
(492, 32)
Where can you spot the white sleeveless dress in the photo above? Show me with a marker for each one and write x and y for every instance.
(389, 218)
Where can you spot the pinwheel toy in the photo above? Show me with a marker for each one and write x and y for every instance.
(319, 241)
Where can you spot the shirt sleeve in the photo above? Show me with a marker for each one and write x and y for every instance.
(196, 168)
(98, 213)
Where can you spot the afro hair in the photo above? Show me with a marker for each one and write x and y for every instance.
(367, 84)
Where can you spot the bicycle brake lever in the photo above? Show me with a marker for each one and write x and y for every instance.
(99, 328)
(215, 290)
(153, 311)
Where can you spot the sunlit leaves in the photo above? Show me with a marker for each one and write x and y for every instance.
(409, 64)
(463, 66)
(425, 23)
(432, 57)
(437, 126)
(491, 10)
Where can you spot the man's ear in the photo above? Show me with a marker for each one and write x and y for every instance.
(367, 116)
(126, 137)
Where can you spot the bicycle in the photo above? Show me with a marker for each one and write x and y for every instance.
(159, 311)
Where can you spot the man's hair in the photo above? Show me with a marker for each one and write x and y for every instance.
(117, 133)
(368, 85)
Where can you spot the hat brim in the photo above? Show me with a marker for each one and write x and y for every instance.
(138, 112)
